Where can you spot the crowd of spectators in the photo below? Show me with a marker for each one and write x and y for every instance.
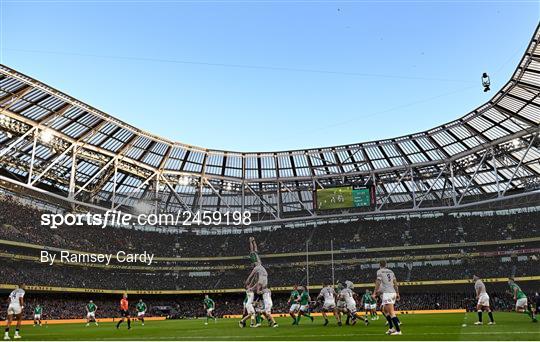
(34, 273)
(21, 223)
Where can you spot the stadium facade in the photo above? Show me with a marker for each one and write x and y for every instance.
(53, 144)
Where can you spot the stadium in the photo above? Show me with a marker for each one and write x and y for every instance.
(439, 206)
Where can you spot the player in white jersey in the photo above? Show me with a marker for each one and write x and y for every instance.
(267, 307)
(348, 296)
(328, 295)
(340, 303)
(15, 309)
(258, 278)
(483, 300)
(386, 287)
(255, 283)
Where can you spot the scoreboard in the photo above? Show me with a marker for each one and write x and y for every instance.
(343, 197)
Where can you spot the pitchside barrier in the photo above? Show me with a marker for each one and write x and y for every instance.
(38, 288)
(407, 312)
(45, 322)
(316, 314)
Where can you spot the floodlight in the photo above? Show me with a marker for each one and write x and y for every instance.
(46, 136)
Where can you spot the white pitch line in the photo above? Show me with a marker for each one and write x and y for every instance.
(221, 338)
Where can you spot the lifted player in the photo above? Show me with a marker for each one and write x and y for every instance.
(209, 305)
(387, 287)
(258, 278)
(294, 302)
(91, 309)
(328, 295)
(124, 312)
(15, 309)
(483, 301)
(520, 298)
(255, 282)
(141, 311)
(37, 315)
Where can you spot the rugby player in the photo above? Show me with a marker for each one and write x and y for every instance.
(294, 302)
(267, 307)
(124, 312)
(258, 278)
(15, 309)
(141, 310)
(255, 283)
(209, 305)
(347, 294)
(37, 314)
(537, 302)
(328, 295)
(91, 309)
(340, 304)
(304, 305)
(370, 305)
(386, 287)
(483, 301)
(520, 298)
(258, 306)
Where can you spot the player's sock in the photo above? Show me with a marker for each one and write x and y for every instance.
(490, 314)
(118, 324)
(395, 320)
(390, 323)
(480, 316)
(129, 323)
(529, 311)
(17, 332)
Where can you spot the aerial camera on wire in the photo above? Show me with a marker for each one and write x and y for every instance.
(486, 82)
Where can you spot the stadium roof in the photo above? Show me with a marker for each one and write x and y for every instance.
(55, 143)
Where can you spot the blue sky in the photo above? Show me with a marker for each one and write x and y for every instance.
(271, 75)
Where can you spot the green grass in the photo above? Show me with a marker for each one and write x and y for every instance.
(510, 326)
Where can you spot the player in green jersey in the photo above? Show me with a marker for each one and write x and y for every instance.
(141, 310)
(37, 315)
(209, 305)
(304, 305)
(370, 305)
(294, 302)
(245, 313)
(91, 309)
(520, 298)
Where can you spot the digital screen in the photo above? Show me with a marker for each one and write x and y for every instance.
(343, 197)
